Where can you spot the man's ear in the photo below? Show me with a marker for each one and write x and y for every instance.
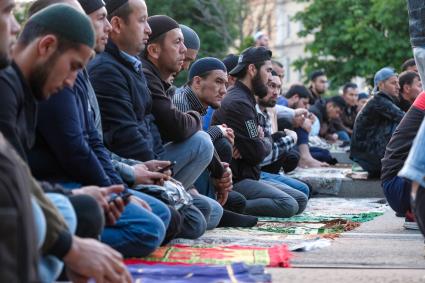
(252, 71)
(116, 25)
(154, 50)
(196, 82)
(47, 45)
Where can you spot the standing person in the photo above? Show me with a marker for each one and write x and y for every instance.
(376, 122)
(238, 112)
(318, 86)
(410, 87)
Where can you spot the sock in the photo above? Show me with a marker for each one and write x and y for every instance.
(232, 219)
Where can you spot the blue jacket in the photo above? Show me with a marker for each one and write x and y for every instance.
(125, 104)
(68, 147)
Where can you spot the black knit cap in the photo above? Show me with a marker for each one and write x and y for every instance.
(231, 61)
(90, 6)
(251, 55)
(205, 65)
(112, 5)
(67, 22)
(161, 24)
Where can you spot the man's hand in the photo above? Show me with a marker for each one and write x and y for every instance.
(236, 153)
(222, 198)
(308, 123)
(90, 259)
(113, 209)
(291, 134)
(225, 183)
(299, 118)
(147, 177)
(260, 132)
(227, 133)
(140, 202)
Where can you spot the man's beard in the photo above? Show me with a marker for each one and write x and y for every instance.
(259, 88)
(39, 75)
(4, 61)
(267, 103)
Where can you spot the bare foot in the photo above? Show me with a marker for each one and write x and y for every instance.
(311, 163)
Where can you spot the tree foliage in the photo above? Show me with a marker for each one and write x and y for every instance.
(215, 21)
(354, 37)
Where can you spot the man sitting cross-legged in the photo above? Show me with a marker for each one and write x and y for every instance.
(238, 112)
(206, 87)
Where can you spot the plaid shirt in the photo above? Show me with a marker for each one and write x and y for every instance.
(280, 145)
(185, 100)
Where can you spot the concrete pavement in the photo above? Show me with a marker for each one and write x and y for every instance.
(378, 251)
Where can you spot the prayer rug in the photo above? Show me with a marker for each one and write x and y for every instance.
(276, 256)
(237, 272)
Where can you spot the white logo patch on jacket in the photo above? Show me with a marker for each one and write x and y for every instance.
(251, 127)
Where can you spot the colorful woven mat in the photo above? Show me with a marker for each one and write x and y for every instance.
(277, 256)
(237, 272)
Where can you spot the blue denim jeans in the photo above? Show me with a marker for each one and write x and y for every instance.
(286, 181)
(264, 198)
(138, 232)
(414, 168)
(192, 156)
(397, 192)
(343, 136)
(50, 267)
(204, 203)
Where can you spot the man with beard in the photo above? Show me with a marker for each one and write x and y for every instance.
(69, 150)
(283, 153)
(238, 112)
(410, 87)
(64, 47)
(206, 87)
(318, 86)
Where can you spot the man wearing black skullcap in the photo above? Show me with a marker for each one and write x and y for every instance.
(230, 61)
(238, 112)
(47, 56)
(125, 104)
(206, 87)
(164, 55)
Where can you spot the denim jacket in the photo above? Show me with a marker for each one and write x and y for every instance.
(416, 9)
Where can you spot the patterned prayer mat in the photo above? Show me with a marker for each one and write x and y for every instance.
(237, 272)
(277, 256)
(268, 243)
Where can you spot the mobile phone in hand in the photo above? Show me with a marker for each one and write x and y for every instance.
(168, 167)
(124, 196)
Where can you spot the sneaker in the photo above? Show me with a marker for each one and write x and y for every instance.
(410, 221)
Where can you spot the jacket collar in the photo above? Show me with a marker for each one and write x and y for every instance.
(152, 68)
(193, 100)
(246, 90)
(120, 56)
(387, 96)
(25, 86)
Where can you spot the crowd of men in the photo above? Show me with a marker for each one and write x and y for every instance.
(102, 157)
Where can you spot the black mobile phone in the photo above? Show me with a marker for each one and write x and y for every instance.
(124, 196)
(168, 167)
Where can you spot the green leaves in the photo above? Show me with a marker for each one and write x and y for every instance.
(354, 37)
